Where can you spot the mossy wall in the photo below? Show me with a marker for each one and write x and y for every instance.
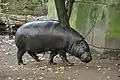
(113, 32)
(104, 15)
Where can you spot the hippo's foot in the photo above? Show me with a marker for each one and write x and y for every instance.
(71, 64)
(52, 63)
(19, 63)
(68, 64)
(37, 60)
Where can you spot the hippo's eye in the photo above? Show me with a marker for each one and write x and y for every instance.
(82, 45)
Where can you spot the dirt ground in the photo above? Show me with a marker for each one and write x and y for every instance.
(102, 69)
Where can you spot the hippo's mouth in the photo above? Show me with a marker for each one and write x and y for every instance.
(86, 57)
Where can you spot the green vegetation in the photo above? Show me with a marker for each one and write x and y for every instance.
(23, 7)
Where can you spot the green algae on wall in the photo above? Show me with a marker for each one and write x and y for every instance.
(82, 14)
(113, 32)
(114, 22)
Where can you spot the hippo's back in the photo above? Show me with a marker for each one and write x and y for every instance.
(36, 27)
(38, 24)
(40, 35)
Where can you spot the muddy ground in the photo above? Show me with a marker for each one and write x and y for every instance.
(97, 69)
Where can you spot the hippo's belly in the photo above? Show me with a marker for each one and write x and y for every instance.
(44, 41)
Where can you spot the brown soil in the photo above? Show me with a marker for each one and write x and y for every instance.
(102, 69)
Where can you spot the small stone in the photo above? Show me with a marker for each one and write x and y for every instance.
(11, 66)
(15, 69)
(49, 69)
(104, 72)
(116, 64)
(41, 78)
(4, 49)
(9, 78)
(118, 69)
(76, 74)
(7, 53)
(27, 60)
(108, 68)
(87, 67)
(43, 73)
(57, 72)
(99, 69)
(61, 72)
(108, 77)
(34, 72)
(69, 67)
(13, 45)
(37, 66)
(18, 78)
(2, 46)
(42, 59)
(99, 66)
(32, 60)
(45, 66)
(97, 62)
(69, 78)
(42, 68)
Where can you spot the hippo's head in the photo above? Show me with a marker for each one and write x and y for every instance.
(81, 50)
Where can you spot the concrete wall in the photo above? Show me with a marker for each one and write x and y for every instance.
(105, 18)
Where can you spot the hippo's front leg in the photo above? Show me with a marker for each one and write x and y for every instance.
(63, 56)
(34, 56)
(52, 55)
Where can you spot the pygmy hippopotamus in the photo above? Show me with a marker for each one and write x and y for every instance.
(50, 35)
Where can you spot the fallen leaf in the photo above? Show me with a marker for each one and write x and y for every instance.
(60, 68)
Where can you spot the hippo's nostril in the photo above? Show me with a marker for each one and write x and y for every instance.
(86, 58)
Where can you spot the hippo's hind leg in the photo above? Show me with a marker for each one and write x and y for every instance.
(33, 55)
(52, 55)
(20, 53)
(63, 56)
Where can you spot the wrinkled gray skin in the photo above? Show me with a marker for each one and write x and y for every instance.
(49, 35)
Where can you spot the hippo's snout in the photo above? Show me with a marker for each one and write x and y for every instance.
(86, 57)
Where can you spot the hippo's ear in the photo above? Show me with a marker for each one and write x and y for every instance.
(82, 39)
(78, 42)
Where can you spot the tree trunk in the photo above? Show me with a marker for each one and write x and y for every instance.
(69, 5)
(62, 12)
